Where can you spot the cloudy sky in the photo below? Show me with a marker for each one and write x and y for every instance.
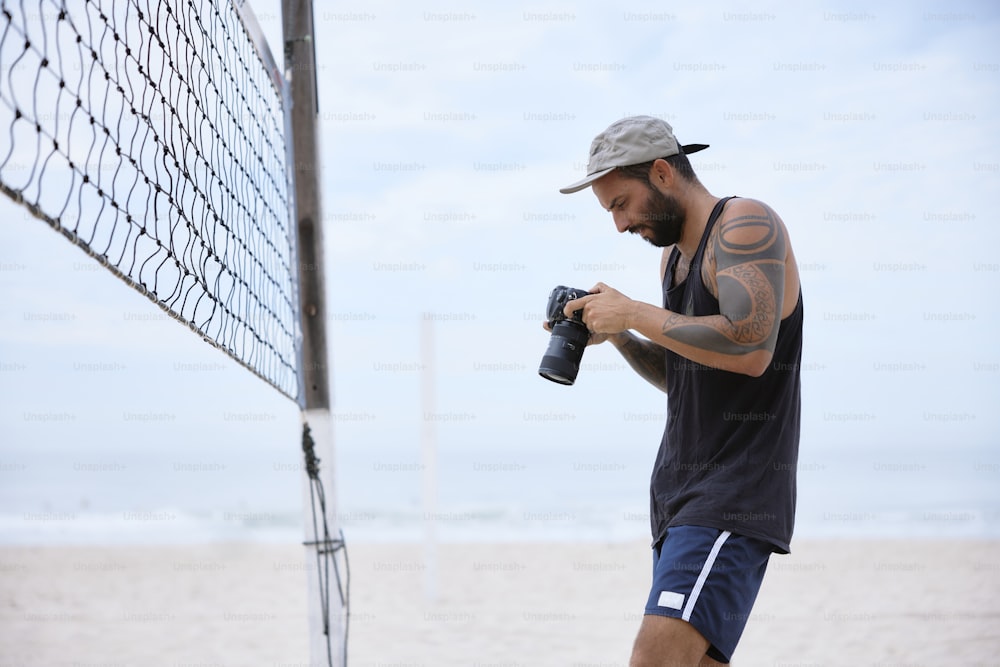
(447, 130)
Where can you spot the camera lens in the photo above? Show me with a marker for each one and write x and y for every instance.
(561, 362)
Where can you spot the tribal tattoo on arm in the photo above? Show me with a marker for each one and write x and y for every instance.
(748, 254)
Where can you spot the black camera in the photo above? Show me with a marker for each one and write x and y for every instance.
(569, 337)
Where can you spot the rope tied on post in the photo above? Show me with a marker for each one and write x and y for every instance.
(326, 547)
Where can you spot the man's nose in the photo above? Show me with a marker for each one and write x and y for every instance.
(621, 222)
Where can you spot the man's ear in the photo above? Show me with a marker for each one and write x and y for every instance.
(661, 174)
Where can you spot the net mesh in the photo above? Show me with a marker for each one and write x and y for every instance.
(153, 135)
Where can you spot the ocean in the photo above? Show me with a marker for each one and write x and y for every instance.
(477, 493)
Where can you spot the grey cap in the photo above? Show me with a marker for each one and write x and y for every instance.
(631, 140)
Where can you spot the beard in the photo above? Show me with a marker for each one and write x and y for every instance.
(663, 216)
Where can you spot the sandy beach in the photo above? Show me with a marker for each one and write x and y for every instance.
(876, 603)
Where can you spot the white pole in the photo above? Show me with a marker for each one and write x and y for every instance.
(428, 450)
(326, 614)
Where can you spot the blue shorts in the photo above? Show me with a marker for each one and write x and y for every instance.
(709, 578)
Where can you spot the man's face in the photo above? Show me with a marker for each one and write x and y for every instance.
(639, 208)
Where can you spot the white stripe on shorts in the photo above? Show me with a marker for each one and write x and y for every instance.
(698, 585)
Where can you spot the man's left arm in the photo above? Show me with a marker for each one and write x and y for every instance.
(749, 251)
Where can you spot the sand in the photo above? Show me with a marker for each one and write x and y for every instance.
(875, 603)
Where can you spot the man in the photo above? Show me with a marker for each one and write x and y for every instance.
(726, 348)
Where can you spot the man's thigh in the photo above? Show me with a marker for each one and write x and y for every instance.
(669, 642)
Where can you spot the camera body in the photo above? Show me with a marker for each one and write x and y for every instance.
(569, 338)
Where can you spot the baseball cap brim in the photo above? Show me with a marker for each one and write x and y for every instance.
(585, 182)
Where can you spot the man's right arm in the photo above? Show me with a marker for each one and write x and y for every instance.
(645, 357)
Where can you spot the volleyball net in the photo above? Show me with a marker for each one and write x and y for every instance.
(155, 137)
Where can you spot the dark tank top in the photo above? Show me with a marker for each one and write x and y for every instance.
(730, 447)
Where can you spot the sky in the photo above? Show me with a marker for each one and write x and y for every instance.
(446, 131)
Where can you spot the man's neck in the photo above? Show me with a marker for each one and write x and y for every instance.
(699, 207)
